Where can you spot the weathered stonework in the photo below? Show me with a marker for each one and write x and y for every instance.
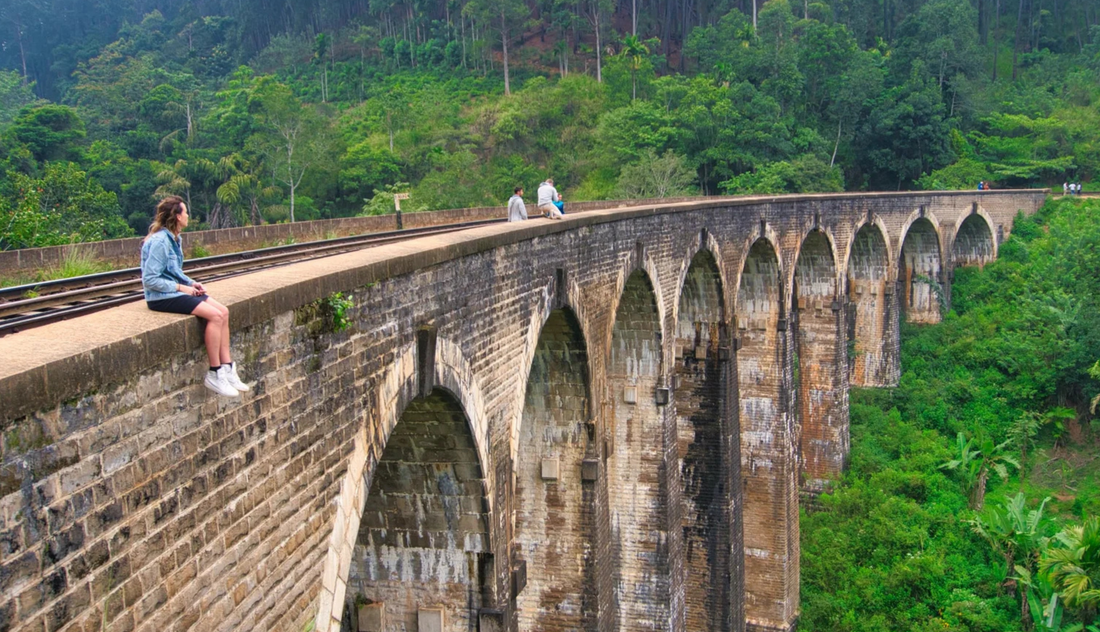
(820, 363)
(872, 310)
(587, 424)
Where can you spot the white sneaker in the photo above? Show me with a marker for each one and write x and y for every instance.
(217, 383)
(235, 380)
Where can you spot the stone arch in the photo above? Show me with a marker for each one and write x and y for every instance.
(394, 393)
(822, 245)
(704, 241)
(637, 432)
(769, 470)
(920, 271)
(872, 326)
(554, 501)
(707, 448)
(974, 244)
(768, 235)
(422, 550)
(638, 261)
(573, 301)
(819, 365)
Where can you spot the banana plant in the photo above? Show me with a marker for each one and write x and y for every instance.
(1016, 533)
(974, 463)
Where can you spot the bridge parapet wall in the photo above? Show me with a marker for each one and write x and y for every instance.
(129, 494)
(127, 252)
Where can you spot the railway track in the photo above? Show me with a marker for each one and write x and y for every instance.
(25, 306)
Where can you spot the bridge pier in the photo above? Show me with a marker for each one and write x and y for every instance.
(637, 468)
(769, 465)
(820, 365)
(707, 455)
(554, 502)
(872, 314)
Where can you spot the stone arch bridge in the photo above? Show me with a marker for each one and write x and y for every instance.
(603, 423)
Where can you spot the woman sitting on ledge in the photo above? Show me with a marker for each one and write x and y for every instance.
(168, 289)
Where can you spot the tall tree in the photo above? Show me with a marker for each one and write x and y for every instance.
(635, 51)
(294, 137)
(502, 15)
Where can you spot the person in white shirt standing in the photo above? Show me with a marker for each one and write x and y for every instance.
(517, 210)
(547, 196)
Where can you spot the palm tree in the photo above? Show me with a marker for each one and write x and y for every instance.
(974, 463)
(1074, 567)
(635, 51)
(182, 177)
(242, 186)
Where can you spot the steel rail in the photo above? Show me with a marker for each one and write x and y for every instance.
(23, 307)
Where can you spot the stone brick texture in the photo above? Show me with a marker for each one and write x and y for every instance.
(554, 515)
(639, 441)
(706, 440)
(872, 312)
(821, 394)
(424, 524)
(400, 461)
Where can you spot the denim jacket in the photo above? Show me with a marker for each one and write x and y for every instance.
(162, 266)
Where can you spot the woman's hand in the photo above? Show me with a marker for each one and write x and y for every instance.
(191, 290)
(199, 289)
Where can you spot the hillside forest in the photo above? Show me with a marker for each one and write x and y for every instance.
(264, 111)
(972, 498)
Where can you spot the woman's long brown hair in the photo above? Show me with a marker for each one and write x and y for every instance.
(167, 216)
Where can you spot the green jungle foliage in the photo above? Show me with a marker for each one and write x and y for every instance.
(995, 397)
(299, 109)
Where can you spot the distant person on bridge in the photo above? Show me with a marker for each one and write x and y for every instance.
(517, 210)
(549, 199)
(168, 289)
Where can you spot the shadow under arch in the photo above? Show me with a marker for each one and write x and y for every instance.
(769, 467)
(707, 451)
(974, 244)
(554, 503)
(872, 332)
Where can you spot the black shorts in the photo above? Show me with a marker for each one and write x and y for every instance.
(184, 304)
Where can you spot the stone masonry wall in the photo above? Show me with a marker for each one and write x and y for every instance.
(822, 394)
(704, 470)
(638, 508)
(553, 514)
(871, 321)
(768, 445)
(424, 526)
(131, 498)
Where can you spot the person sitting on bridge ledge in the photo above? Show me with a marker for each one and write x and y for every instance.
(168, 289)
(548, 196)
(517, 210)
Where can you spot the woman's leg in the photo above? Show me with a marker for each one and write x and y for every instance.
(217, 324)
(223, 350)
